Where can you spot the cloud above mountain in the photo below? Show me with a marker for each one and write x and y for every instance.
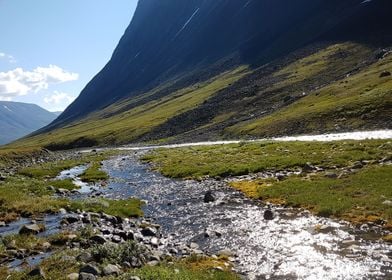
(58, 101)
(19, 82)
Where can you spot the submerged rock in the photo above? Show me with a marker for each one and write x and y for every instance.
(209, 197)
(269, 214)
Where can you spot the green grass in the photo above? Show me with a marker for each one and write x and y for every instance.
(113, 126)
(357, 197)
(240, 159)
(361, 100)
(122, 208)
(94, 173)
(23, 196)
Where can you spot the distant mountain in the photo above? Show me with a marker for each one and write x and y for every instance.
(57, 113)
(20, 119)
(187, 70)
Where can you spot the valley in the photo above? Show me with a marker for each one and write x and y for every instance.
(212, 221)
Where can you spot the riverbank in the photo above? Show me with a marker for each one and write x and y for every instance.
(343, 179)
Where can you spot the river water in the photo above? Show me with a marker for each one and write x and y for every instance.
(295, 245)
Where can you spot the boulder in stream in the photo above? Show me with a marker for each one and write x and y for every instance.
(209, 197)
(32, 229)
(269, 215)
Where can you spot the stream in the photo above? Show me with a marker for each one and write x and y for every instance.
(295, 245)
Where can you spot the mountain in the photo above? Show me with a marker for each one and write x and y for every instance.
(57, 113)
(202, 69)
(19, 119)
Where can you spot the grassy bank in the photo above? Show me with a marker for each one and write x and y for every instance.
(31, 191)
(241, 159)
(354, 195)
(358, 197)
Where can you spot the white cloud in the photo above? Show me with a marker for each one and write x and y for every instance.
(58, 101)
(9, 57)
(19, 82)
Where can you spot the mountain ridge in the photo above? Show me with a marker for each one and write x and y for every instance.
(19, 119)
(173, 47)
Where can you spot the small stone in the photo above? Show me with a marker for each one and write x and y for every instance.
(2, 224)
(209, 197)
(148, 231)
(46, 245)
(90, 269)
(73, 276)
(98, 239)
(85, 257)
(32, 229)
(134, 278)
(385, 74)
(87, 276)
(111, 269)
(37, 272)
(387, 202)
(62, 211)
(194, 245)
(116, 239)
(225, 252)
(357, 165)
(269, 215)
(154, 242)
(71, 219)
(331, 175)
(153, 263)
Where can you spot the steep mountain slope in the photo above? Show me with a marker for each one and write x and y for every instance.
(19, 119)
(206, 69)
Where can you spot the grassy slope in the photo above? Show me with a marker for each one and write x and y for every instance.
(356, 101)
(129, 125)
(357, 196)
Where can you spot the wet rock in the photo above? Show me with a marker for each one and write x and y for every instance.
(357, 165)
(73, 276)
(37, 273)
(269, 215)
(111, 269)
(71, 219)
(98, 239)
(149, 231)
(308, 167)
(385, 74)
(209, 197)
(225, 252)
(62, 191)
(87, 276)
(90, 269)
(116, 239)
(154, 242)
(32, 229)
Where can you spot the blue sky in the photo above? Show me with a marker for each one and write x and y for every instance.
(50, 49)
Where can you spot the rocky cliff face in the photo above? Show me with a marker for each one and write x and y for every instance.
(176, 40)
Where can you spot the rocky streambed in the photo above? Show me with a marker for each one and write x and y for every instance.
(293, 245)
(262, 241)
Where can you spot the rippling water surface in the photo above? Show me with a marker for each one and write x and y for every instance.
(295, 245)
